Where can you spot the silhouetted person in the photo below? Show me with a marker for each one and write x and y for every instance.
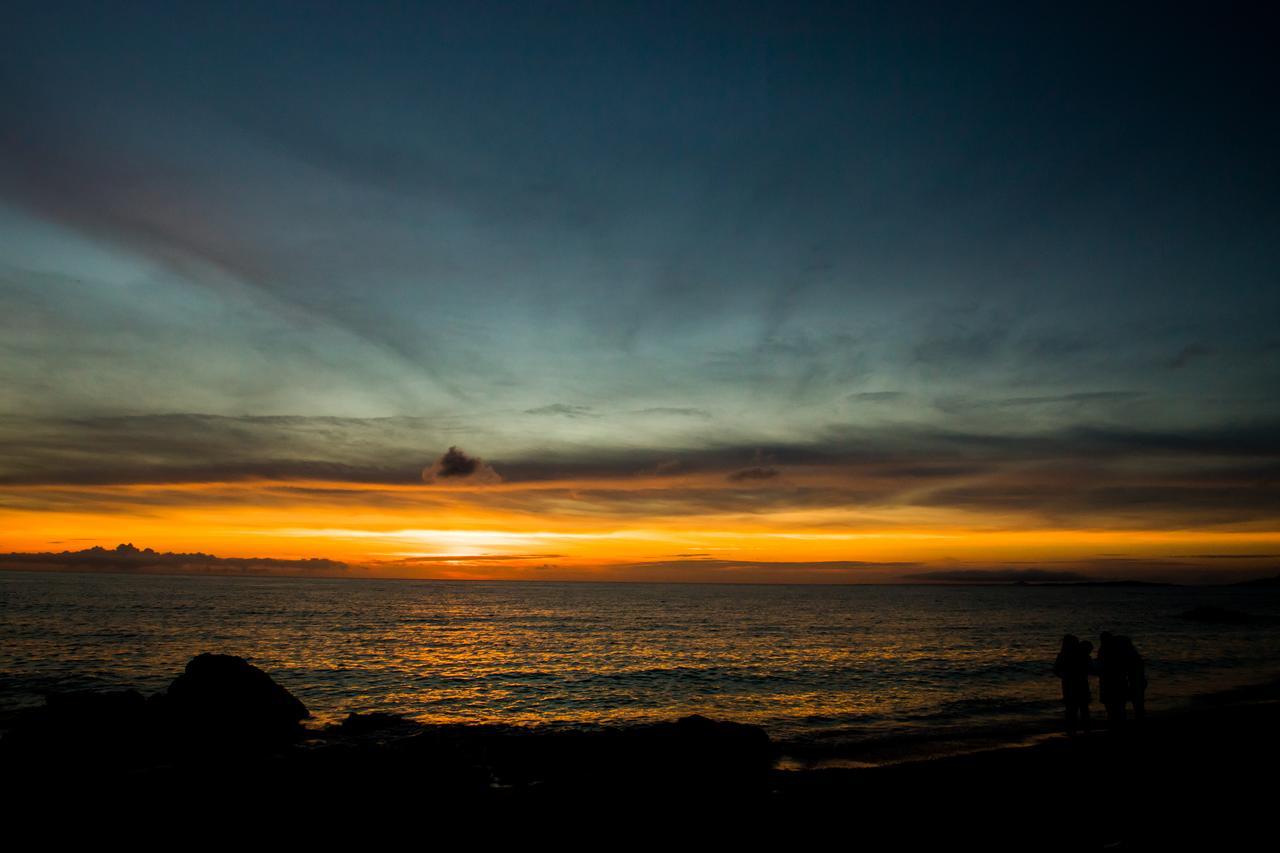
(1135, 677)
(1082, 692)
(1069, 667)
(1113, 678)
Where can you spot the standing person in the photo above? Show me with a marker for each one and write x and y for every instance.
(1066, 667)
(1113, 679)
(1136, 677)
(1083, 695)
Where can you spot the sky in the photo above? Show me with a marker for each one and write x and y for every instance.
(689, 291)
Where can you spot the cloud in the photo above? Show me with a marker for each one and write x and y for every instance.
(1226, 556)
(665, 467)
(197, 448)
(456, 465)
(756, 473)
(676, 411)
(1106, 476)
(753, 571)
(876, 396)
(564, 410)
(1083, 398)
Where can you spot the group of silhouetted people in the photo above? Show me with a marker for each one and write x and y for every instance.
(1121, 675)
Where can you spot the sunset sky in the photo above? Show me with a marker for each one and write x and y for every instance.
(757, 292)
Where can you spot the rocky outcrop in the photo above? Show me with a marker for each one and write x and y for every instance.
(225, 700)
(224, 724)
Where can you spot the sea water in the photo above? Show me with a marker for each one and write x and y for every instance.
(805, 662)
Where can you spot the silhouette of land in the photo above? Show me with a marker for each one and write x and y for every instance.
(128, 558)
(224, 725)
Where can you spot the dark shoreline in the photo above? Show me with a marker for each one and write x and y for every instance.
(1192, 773)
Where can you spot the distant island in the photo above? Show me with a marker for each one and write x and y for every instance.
(128, 558)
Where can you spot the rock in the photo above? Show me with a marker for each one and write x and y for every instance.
(378, 723)
(107, 709)
(80, 726)
(692, 754)
(225, 701)
(710, 751)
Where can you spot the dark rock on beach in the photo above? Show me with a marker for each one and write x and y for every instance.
(81, 727)
(224, 722)
(692, 753)
(220, 706)
(379, 723)
(224, 699)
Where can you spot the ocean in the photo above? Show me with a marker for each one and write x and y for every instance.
(838, 664)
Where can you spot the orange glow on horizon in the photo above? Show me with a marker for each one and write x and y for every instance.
(556, 529)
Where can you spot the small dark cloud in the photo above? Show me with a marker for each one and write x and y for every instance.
(455, 464)
(997, 576)
(756, 473)
(563, 410)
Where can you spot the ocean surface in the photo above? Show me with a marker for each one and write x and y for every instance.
(809, 663)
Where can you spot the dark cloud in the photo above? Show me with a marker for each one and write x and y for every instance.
(1106, 496)
(876, 396)
(563, 409)
(456, 465)
(757, 473)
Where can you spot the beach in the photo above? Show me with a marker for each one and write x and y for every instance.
(1198, 774)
